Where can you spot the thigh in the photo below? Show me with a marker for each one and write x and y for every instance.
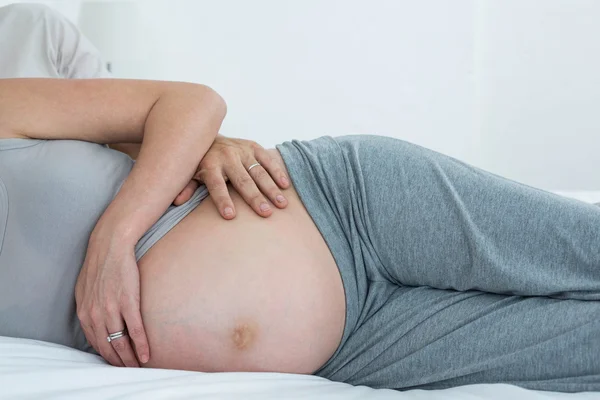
(435, 221)
(429, 338)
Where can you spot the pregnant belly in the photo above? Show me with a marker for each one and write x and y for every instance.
(251, 294)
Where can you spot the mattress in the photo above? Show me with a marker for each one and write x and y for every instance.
(39, 370)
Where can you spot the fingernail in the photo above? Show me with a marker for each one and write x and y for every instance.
(264, 207)
(144, 359)
(228, 211)
(280, 198)
(284, 180)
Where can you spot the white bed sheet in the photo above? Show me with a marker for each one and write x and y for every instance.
(38, 370)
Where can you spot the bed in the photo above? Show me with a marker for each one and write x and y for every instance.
(39, 370)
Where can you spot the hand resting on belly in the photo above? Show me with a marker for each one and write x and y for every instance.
(249, 294)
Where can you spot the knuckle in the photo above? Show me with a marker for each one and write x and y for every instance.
(111, 308)
(83, 316)
(209, 163)
(213, 180)
(229, 152)
(136, 332)
(254, 145)
(243, 181)
(218, 185)
(260, 174)
(119, 345)
(124, 299)
(96, 317)
(97, 322)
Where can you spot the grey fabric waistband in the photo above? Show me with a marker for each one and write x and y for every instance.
(170, 218)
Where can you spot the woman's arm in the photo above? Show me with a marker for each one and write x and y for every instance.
(225, 160)
(176, 124)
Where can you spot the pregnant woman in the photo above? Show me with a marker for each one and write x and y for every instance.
(389, 265)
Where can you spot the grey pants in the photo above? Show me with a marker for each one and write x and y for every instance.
(452, 275)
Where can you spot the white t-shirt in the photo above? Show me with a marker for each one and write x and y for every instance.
(36, 41)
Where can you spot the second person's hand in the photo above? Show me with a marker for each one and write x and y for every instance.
(229, 159)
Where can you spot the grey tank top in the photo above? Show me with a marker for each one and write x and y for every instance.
(52, 193)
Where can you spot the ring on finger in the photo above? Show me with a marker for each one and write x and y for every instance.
(252, 166)
(116, 335)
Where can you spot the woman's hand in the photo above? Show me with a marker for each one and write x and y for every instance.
(107, 294)
(229, 159)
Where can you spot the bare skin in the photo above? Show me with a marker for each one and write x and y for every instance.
(249, 294)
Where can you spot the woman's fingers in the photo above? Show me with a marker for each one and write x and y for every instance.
(267, 174)
(230, 159)
(136, 331)
(186, 193)
(88, 331)
(100, 319)
(273, 167)
(217, 188)
(124, 350)
(265, 183)
(92, 321)
(247, 187)
(104, 348)
(121, 345)
(250, 185)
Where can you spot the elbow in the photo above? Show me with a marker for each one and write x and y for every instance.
(213, 100)
(196, 95)
(220, 103)
(197, 109)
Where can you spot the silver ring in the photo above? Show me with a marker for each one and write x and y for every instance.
(252, 166)
(116, 335)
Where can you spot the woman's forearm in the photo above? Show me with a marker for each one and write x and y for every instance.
(175, 121)
(179, 129)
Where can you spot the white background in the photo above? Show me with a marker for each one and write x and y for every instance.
(512, 86)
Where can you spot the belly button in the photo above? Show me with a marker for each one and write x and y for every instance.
(243, 336)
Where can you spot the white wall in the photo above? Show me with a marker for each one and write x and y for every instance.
(507, 85)
(538, 64)
(301, 69)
